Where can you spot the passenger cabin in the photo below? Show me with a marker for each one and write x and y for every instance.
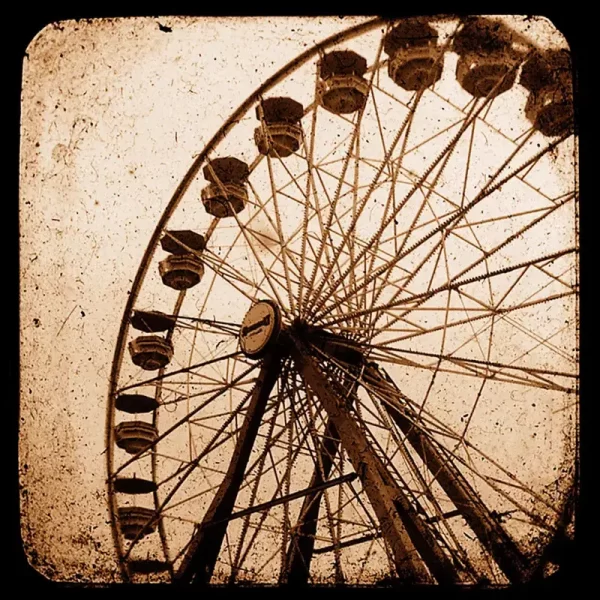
(135, 403)
(487, 61)
(226, 194)
(134, 485)
(135, 436)
(152, 321)
(548, 78)
(415, 59)
(183, 269)
(279, 134)
(151, 352)
(136, 522)
(182, 242)
(342, 88)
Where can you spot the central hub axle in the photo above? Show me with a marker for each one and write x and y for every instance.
(261, 328)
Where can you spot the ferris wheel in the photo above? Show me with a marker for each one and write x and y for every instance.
(349, 355)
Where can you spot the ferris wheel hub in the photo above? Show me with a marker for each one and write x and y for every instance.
(260, 328)
(334, 346)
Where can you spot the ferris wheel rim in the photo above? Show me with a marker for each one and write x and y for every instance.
(179, 193)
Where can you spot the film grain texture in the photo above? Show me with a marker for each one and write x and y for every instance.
(299, 301)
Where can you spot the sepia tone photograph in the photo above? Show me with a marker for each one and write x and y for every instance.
(299, 302)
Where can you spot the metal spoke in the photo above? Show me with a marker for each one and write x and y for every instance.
(333, 204)
(485, 192)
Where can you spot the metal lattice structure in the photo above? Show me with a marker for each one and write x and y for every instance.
(354, 292)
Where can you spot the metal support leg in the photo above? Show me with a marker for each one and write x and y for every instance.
(199, 561)
(489, 531)
(302, 543)
(403, 530)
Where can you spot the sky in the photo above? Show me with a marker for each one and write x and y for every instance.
(113, 113)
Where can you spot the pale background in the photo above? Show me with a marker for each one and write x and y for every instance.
(113, 112)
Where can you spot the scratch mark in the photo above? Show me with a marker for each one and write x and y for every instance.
(63, 323)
